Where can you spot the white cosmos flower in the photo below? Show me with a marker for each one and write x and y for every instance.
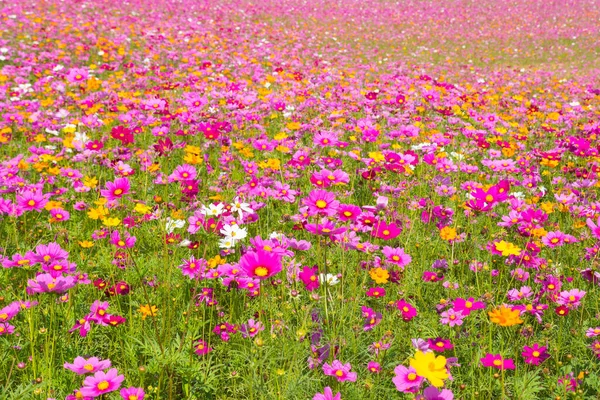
(212, 210)
(173, 224)
(226, 243)
(240, 207)
(234, 232)
(330, 279)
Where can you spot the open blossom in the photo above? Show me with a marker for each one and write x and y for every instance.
(570, 298)
(45, 283)
(260, 264)
(102, 383)
(327, 395)
(452, 317)
(251, 329)
(497, 361)
(84, 366)
(321, 202)
(340, 371)
(117, 189)
(309, 277)
(535, 354)
(406, 379)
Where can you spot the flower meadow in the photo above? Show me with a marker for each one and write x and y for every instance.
(299, 199)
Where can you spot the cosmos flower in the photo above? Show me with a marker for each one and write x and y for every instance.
(82, 366)
(497, 361)
(102, 383)
(340, 371)
(430, 367)
(260, 264)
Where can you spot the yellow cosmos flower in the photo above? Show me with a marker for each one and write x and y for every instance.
(448, 233)
(507, 249)
(430, 367)
(505, 316)
(148, 311)
(379, 275)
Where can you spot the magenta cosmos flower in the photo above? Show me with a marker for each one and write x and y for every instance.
(340, 371)
(123, 242)
(396, 256)
(45, 283)
(117, 189)
(132, 393)
(385, 231)
(535, 354)
(260, 264)
(309, 276)
(321, 202)
(102, 383)
(406, 379)
(30, 201)
(466, 306)
(496, 361)
(327, 395)
(84, 366)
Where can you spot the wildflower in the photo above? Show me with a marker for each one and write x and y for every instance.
(321, 202)
(376, 292)
(340, 371)
(385, 231)
(570, 298)
(507, 249)
(439, 344)
(430, 367)
(407, 310)
(260, 264)
(447, 233)
(251, 329)
(406, 379)
(505, 316)
(452, 317)
(372, 318)
(132, 393)
(465, 306)
(374, 367)
(535, 354)
(433, 393)
(327, 395)
(396, 256)
(591, 332)
(148, 311)
(201, 347)
(82, 366)
(329, 279)
(496, 361)
(117, 189)
(45, 283)
(309, 278)
(125, 242)
(379, 275)
(102, 383)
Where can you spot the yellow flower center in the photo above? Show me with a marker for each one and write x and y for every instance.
(31, 203)
(339, 372)
(497, 363)
(535, 354)
(88, 367)
(321, 204)
(103, 385)
(118, 192)
(261, 271)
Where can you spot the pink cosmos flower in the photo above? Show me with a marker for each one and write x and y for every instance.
(406, 379)
(309, 276)
(385, 231)
(59, 215)
(102, 383)
(452, 317)
(570, 298)
(376, 292)
(321, 202)
(260, 264)
(340, 371)
(201, 347)
(251, 329)
(10, 311)
(396, 256)
(592, 332)
(327, 395)
(132, 393)
(496, 361)
(125, 242)
(45, 283)
(31, 201)
(117, 189)
(406, 309)
(372, 318)
(82, 366)
(466, 306)
(535, 354)
(433, 393)
(374, 367)
(77, 75)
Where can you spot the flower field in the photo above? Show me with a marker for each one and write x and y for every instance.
(299, 199)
